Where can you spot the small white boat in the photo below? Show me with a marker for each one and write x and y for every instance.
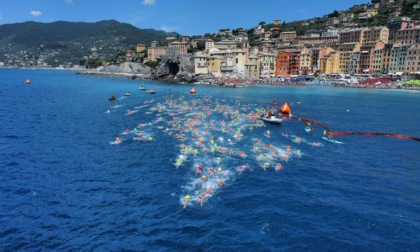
(127, 94)
(142, 88)
(331, 140)
(272, 119)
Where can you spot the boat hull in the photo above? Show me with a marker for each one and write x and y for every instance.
(272, 119)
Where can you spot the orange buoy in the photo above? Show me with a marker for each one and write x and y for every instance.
(28, 82)
(285, 109)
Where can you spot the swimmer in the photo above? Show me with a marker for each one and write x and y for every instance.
(199, 169)
(202, 198)
(186, 199)
(220, 183)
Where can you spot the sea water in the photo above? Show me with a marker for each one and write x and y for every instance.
(68, 183)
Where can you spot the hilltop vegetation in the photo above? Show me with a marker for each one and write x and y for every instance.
(73, 40)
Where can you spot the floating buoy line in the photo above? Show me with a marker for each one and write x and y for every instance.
(285, 111)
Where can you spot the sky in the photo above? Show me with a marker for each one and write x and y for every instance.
(187, 17)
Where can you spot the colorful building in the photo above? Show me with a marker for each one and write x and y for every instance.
(367, 56)
(214, 64)
(252, 67)
(413, 60)
(267, 64)
(286, 36)
(399, 57)
(283, 64)
(154, 52)
(140, 47)
(408, 36)
(330, 63)
(305, 61)
(346, 52)
(182, 47)
(200, 64)
(374, 34)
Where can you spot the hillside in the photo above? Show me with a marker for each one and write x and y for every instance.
(75, 38)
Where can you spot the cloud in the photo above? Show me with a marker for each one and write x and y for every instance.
(36, 13)
(68, 1)
(167, 28)
(149, 2)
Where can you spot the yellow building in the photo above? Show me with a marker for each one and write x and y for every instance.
(305, 61)
(351, 36)
(330, 63)
(346, 52)
(140, 47)
(374, 34)
(214, 64)
(235, 60)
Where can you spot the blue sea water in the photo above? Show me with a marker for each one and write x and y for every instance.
(66, 184)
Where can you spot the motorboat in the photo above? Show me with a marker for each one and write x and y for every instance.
(142, 88)
(271, 119)
(112, 98)
(127, 94)
(151, 91)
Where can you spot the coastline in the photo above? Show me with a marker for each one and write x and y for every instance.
(242, 83)
(227, 82)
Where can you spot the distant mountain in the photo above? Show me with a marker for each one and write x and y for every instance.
(74, 37)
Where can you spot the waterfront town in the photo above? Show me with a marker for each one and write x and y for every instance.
(382, 51)
(342, 50)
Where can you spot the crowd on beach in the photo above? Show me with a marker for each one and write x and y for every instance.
(356, 82)
(385, 82)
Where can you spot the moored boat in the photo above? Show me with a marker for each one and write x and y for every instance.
(112, 98)
(127, 94)
(151, 91)
(142, 88)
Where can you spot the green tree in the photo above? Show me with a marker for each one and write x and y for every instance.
(334, 14)
(151, 64)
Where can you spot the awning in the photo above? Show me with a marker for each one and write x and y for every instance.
(366, 70)
(399, 73)
(365, 51)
